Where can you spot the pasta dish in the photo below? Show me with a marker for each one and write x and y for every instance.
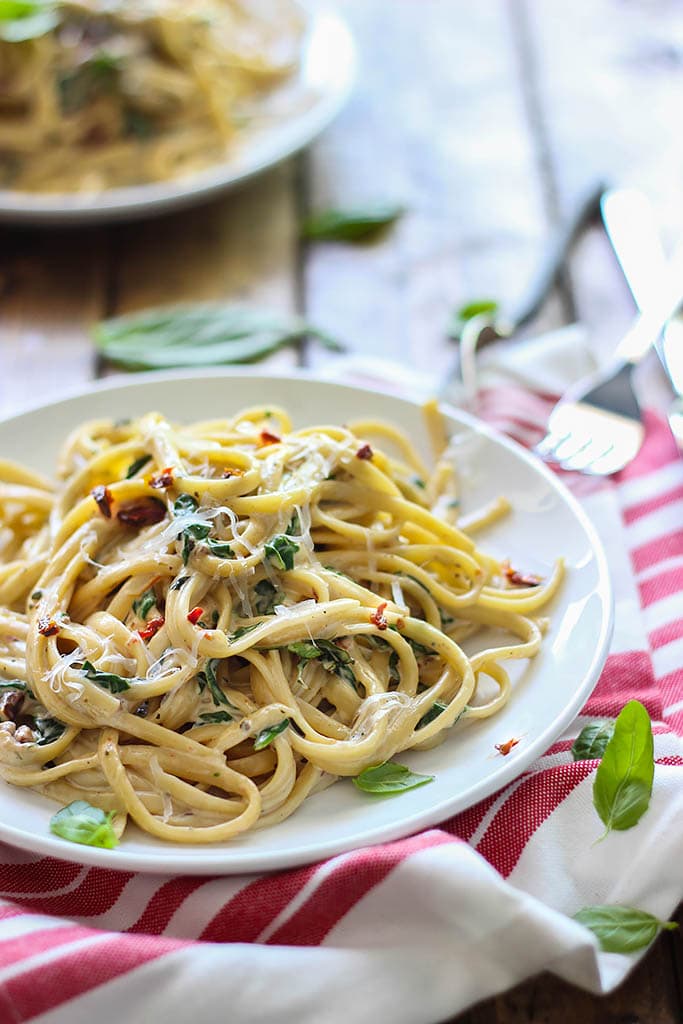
(202, 625)
(102, 93)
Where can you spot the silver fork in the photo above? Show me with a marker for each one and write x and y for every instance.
(596, 427)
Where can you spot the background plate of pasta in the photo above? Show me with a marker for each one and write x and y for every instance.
(248, 622)
(118, 108)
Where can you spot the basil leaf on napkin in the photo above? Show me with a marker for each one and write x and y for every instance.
(79, 822)
(623, 781)
(389, 778)
(200, 334)
(350, 225)
(622, 929)
(591, 742)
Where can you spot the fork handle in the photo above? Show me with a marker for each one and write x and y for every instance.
(655, 314)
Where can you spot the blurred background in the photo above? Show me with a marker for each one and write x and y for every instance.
(487, 120)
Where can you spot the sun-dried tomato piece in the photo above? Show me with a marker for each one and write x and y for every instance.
(10, 704)
(103, 499)
(227, 473)
(521, 579)
(47, 627)
(162, 481)
(143, 512)
(152, 628)
(265, 437)
(378, 618)
(364, 452)
(505, 748)
(195, 615)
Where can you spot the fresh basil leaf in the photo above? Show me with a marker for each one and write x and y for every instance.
(79, 822)
(389, 778)
(294, 528)
(107, 680)
(280, 551)
(144, 604)
(437, 708)
(591, 742)
(48, 730)
(266, 736)
(304, 650)
(206, 334)
(352, 224)
(136, 466)
(220, 549)
(208, 678)
(623, 781)
(191, 534)
(335, 659)
(622, 929)
(480, 307)
(179, 582)
(242, 631)
(267, 596)
(21, 20)
(184, 503)
(215, 717)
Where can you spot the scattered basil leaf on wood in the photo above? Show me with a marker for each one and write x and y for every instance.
(21, 20)
(351, 225)
(143, 605)
(201, 335)
(623, 781)
(136, 466)
(266, 736)
(591, 742)
(79, 822)
(107, 680)
(622, 929)
(389, 778)
(280, 551)
(480, 307)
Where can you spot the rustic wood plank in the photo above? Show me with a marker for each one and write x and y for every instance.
(438, 122)
(52, 287)
(239, 248)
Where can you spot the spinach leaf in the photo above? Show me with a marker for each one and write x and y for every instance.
(144, 604)
(389, 778)
(592, 741)
(267, 596)
(107, 680)
(280, 551)
(351, 225)
(266, 736)
(623, 781)
(208, 334)
(622, 929)
(79, 822)
(136, 466)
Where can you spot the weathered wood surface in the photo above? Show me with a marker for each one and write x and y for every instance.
(487, 120)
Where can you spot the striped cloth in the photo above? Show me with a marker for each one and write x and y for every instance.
(416, 930)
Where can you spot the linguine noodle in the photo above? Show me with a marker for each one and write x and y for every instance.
(202, 625)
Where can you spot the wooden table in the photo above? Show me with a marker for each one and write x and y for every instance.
(487, 119)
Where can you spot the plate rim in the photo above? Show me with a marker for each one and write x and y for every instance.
(209, 861)
(134, 202)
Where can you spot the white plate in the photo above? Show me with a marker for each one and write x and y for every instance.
(548, 692)
(326, 76)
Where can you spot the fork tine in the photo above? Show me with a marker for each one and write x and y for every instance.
(547, 446)
(573, 446)
(587, 456)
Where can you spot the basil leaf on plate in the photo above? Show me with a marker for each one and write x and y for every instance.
(389, 778)
(266, 736)
(591, 742)
(623, 781)
(351, 225)
(201, 334)
(79, 822)
(622, 929)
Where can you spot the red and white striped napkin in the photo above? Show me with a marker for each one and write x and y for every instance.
(411, 931)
